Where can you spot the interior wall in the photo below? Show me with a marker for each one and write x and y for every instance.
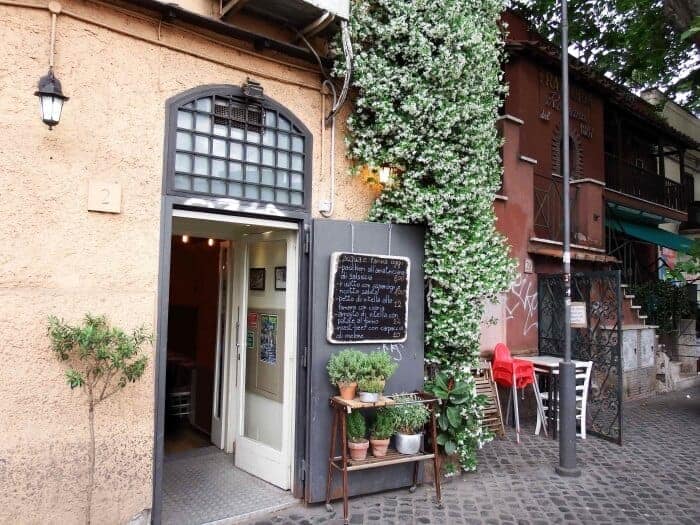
(263, 416)
(194, 283)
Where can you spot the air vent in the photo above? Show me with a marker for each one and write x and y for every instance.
(240, 115)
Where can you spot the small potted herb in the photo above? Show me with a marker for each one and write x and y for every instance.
(370, 388)
(357, 430)
(343, 370)
(381, 431)
(376, 368)
(409, 418)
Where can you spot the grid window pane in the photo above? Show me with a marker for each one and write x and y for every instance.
(283, 140)
(221, 130)
(235, 171)
(282, 159)
(270, 119)
(252, 174)
(201, 165)
(183, 141)
(218, 147)
(268, 157)
(282, 179)
(268, 138)
(296, 199)
(267, 194)
(202, 123)
(183, 163)
(297, 162)
(235, 189)
(218, 187)
(184, 119)
(236, 151)
(189, 105)
(268, 177)
(253, 136)
(284, 124)
(204, 104)
(218, 168)
(252, 154)
(297, 181)
(282, 196)
(182, 182)
(297, 144)
(200, 185)
(201, 144)
(250, 191)
(237, 133)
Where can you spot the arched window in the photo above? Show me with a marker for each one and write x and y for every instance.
(224, 144)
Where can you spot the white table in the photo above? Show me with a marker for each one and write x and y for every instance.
(549, 364)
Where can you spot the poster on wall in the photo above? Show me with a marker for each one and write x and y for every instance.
(268, 338)
(250, 339)
(368, 298)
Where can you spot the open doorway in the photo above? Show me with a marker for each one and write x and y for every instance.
(231, 367)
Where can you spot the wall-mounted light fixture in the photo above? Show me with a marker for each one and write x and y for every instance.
(51, 97)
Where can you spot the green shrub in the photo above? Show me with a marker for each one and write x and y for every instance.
(371, 385)
(384, 425)
(344, 367)
(378, 365)
(357, 428)
(409, 417)
(664, 302)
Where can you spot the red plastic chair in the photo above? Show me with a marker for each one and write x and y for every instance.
(514, 374)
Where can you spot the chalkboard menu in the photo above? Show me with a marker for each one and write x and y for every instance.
(368, 299)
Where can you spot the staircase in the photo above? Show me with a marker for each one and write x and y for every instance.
(632, 315)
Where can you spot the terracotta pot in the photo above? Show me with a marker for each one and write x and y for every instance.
(347, 390)
(379, 447)
(358, 451)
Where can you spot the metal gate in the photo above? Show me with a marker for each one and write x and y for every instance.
(599, 342)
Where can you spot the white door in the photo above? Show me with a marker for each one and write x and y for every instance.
(266, 375)
(223, 336)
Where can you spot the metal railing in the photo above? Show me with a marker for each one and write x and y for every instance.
(639, 182)
(549, 204)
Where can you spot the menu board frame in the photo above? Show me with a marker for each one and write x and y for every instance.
(335, 257)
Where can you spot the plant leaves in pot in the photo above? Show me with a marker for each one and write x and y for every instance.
(409, 418)
(357, 430)
(370, 389)
(381, 431)
(343, 370)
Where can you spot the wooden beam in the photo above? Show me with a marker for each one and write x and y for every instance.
(232, 6)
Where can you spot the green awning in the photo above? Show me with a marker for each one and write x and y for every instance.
(651, 234)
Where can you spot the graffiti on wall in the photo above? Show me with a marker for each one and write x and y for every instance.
(521, 301)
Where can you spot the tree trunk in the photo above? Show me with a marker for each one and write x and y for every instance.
(91, 460)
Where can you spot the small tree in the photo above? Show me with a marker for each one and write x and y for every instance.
(102, 360)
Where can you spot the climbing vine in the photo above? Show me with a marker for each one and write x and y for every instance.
(428, 83)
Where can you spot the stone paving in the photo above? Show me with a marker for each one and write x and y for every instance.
(653, 478)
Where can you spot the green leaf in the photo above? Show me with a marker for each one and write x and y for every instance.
(442, 422)
(454, 417)
(442, 438)
(450, 447)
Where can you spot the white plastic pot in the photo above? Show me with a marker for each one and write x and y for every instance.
(408, 443)
(369, 397)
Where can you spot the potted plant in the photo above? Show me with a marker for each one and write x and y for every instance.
(370, 388)
(343, 369)
(409, 418)
(375, 369)
(382, 429)
(357, 430)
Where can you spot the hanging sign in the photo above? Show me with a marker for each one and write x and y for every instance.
(579, 319)
(368, 299)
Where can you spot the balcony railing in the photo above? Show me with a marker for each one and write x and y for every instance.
(549, 208)
(644, 184)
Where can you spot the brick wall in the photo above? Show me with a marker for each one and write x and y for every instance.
(639, 383)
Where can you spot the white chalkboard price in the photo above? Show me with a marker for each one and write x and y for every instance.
(368, 298)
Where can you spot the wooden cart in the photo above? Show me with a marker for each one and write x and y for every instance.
(343, 463)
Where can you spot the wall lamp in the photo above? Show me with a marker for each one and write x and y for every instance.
(51, 97)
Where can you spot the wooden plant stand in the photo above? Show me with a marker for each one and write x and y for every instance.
(343, 463)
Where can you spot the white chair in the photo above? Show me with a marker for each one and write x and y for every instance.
(583, 379)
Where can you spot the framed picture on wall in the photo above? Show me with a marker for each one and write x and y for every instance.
(280, 277)
(257, 279)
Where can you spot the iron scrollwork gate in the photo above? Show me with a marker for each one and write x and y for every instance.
(599, 342)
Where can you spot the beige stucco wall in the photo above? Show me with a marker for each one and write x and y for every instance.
(58, 258)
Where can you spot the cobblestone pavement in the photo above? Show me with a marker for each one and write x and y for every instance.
(653, 478)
